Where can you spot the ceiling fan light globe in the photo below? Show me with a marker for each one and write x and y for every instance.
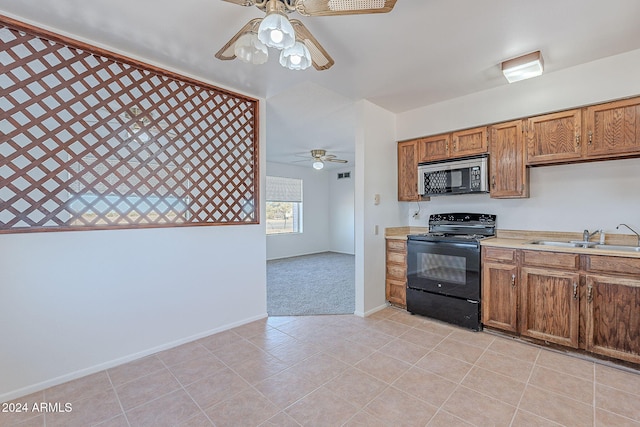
(318, 164)
(276, 31)
(251, 50)
(296, 57)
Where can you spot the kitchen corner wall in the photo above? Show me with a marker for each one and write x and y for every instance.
(597, 195)
(376, 174)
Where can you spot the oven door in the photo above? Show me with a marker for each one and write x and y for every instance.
(445, 268)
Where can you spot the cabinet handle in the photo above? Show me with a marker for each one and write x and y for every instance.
(577, 140)
(590, 137)
(493, 182)
(513, 280)
(446, 145)
(589, 293)
(575, 290)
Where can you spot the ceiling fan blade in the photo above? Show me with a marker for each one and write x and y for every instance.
(328, 156)
(335, 160)
(242, 2)
(228, 50)
(319, 57)
(343, 7)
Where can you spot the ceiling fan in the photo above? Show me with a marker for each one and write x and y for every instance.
(319, 157)
(299, 49)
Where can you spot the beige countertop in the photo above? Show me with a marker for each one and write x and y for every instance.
(401, 233)
(516, 239)
(520, 239)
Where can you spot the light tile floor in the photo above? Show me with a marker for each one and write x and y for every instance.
(390, 369)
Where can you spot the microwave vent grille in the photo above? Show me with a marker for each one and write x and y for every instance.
(435, 182)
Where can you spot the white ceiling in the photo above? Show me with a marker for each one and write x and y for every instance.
(423, 52)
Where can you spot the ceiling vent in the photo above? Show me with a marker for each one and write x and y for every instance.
(343, 175)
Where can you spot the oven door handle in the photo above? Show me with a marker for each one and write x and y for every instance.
(470, 245)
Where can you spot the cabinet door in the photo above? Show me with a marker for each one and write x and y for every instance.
(554, 138)
(613, 129)
(550, 305)
(469, 142)
(433, 148)
(500, 296)
(613, 317)
(509, 174)
(407, 171)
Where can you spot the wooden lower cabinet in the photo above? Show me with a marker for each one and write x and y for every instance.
(396, 272)
(612, 311)
(578, 301)
(499, 289)
(550, 305)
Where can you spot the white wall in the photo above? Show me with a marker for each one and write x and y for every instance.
(564, 197)
(375, 174)
(74, 303)
(341, 211)
(315, 211)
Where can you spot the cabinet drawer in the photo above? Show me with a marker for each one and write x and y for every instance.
(397, 272)
(397, 257)
(551, 259)
(396, 245)
(499, 254)
(613, 265)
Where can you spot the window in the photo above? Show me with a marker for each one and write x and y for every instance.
(284, 205)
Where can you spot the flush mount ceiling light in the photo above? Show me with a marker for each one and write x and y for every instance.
(523, 67)
(299, 49)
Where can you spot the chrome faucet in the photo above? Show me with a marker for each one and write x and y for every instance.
(586, 236)
(634, 232)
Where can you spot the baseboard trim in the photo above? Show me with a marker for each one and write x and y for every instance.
(370, 312)
(119, 361)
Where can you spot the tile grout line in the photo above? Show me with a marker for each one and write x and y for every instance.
(594, 395)
(526, 384)
(185, 390)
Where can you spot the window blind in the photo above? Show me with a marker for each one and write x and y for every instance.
(280, 189)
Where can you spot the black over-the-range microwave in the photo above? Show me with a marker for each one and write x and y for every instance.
(458, 176)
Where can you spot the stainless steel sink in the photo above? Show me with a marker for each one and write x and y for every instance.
(618, 248)
(580, 244)
(554, 243)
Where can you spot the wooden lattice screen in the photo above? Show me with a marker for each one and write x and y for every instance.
(93, 140)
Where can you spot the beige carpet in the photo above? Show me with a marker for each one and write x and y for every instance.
(321, 283)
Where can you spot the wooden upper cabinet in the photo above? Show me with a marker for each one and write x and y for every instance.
(433, 148)
(407, 171)
(554, 138)
(509, 176)
(462, 143)
(469, 142)
(612, 129)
